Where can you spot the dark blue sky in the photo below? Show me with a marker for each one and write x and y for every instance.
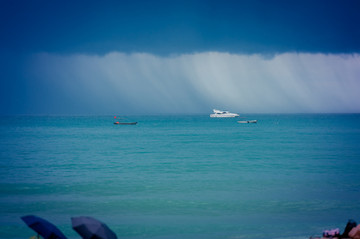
(164, 28)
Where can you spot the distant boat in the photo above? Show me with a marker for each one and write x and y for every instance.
(223, 114)
(247, 121)
(125, 123)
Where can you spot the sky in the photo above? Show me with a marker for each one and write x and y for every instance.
(179, 57)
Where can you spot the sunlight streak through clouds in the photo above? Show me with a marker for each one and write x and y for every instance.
(195, 83)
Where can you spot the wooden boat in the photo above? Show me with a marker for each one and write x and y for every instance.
(247, 121)
(125, 123)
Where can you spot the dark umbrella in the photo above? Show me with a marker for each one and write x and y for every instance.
(90, 228)
(43, 227)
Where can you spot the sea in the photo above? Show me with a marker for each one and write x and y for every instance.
(182, 176)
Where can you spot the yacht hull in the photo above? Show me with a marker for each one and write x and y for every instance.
(223, 116)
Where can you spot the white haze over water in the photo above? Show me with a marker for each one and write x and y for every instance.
(141, 83)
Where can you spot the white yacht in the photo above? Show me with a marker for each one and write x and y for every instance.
(223, 114)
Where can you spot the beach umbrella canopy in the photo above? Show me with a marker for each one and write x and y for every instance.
(44, 228)
(90, 228)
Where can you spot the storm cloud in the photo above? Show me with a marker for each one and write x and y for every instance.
(142, 83)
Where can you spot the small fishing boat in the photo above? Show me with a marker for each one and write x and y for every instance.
(247, 121)
(125, 123)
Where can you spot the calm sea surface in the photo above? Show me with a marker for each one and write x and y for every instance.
(288, 176)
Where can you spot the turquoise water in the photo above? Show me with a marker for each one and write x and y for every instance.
(288, 176)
